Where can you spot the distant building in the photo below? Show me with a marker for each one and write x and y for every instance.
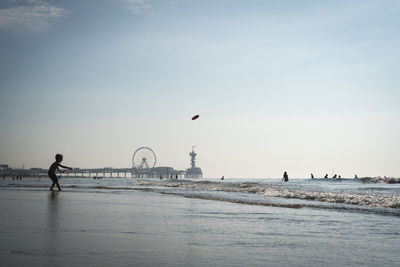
(193, 171)
(4, 168)
(37, 169)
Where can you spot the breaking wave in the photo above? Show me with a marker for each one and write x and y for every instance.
(380, 180)
(354, 196)
(279, 191)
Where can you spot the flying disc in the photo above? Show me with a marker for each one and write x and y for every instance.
(195, 117)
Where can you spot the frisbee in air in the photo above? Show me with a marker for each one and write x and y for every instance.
(195, 117)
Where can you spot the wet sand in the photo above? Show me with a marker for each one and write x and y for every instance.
(133, 228)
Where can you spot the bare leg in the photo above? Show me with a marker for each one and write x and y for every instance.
(51, 188)
(58, 185)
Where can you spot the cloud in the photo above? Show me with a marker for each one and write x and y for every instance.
(141, 6)
(34, 15)
(137, 6)
(169, 3)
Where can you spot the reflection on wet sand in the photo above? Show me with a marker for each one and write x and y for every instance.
(53, 204)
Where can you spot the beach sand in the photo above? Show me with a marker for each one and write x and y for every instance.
(134, 228)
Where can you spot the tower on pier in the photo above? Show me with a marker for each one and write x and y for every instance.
(193, 158)
(193, 171)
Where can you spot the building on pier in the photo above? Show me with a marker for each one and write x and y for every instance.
(158, 172)
(143, 166)
(193, 171)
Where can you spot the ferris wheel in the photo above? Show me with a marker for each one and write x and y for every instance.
(144, 158)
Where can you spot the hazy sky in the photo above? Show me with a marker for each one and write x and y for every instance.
(301, 86)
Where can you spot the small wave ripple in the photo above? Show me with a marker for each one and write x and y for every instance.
(274, 190)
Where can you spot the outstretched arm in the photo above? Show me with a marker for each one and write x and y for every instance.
(65, 167)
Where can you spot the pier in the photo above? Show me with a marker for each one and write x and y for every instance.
(143, 166)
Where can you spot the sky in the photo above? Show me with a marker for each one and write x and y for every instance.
(297, 86)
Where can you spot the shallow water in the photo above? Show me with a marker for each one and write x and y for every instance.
(197, 223)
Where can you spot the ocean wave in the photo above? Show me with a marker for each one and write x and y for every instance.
(381, 201)
(215, 189)
(293, 206)
(370, 200)
(380, 180)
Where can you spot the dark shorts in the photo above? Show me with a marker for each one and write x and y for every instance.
(53, 177)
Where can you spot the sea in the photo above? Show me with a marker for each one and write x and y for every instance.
(200, 222)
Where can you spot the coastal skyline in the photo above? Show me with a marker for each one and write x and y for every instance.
(303, 87)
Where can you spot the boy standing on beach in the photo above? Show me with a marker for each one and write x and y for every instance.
(52, 171)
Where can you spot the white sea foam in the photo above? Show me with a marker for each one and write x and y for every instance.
(304, 193)
(275, 190)
(380, 180)
(344, 198)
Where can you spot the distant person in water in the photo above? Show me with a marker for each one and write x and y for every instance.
(285, 177)
(222, 178)
(312, 176)
(326, 176)
(52, 171)
(334, 177)
(355, 176)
